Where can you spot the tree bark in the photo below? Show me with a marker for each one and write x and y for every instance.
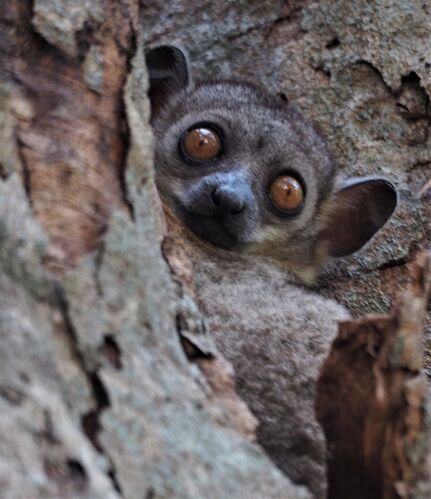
(106, 388)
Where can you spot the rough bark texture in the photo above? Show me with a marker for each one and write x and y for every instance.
(70, 64)
(97, 395)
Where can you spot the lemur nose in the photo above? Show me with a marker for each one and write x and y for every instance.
(228, 201)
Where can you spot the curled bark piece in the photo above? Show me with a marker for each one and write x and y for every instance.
(372, 400)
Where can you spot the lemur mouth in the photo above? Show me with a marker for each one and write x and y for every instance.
(212, 230)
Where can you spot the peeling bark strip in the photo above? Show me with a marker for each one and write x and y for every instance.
(69, 62)
(372, 400)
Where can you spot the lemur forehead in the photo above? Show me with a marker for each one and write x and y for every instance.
(233, 92)
(235, 96)
(219, 95)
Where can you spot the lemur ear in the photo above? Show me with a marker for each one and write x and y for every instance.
(168, 73)
(360, 208)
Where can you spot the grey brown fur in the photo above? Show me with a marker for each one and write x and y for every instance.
(276, 335)
(274, 331)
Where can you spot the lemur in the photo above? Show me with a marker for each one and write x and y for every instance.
(255, 186)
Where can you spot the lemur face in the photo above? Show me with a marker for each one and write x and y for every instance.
(245, 171)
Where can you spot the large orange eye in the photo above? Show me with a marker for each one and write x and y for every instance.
(286, 193)
(201, 144)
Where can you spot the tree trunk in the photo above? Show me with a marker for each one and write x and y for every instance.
(99, 394)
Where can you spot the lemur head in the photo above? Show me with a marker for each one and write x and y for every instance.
(246, 172)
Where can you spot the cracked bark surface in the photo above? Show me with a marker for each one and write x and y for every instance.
(98, 395)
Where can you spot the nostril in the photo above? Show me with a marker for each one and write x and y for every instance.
(236, 210)
(227, 200)
(215, 196)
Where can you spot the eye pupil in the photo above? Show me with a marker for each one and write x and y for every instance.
(201, 143)
(286, 193)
